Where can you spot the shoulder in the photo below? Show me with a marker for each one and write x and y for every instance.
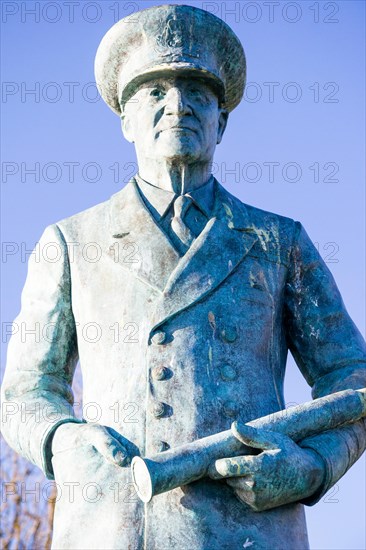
(273, 224)
(86, 219)
(259, 218)
(276, 233)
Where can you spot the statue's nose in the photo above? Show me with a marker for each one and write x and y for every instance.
(176, 103)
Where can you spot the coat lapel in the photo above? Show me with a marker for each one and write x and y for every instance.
(216, 252)
(139, 244)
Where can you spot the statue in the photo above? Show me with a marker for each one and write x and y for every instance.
(198, 298)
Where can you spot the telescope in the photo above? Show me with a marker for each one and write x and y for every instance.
(187, 463)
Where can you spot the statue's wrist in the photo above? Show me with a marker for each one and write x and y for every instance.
(317, 470)
(60, 434)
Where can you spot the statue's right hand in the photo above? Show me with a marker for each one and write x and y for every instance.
(70, 435)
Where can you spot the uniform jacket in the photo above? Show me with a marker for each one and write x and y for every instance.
(107, 287)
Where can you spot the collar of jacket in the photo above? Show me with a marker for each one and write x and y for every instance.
(160, 200)
(145, 249)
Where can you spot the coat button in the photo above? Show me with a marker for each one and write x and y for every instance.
(161, 446)
(229, 334)
(228, 373)
(159, 373)
(230, 409)
(158, 338)
(159, 409)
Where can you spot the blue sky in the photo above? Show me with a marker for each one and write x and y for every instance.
(294, 146)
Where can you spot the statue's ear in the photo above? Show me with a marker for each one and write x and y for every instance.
(127, 128)
(223, 118)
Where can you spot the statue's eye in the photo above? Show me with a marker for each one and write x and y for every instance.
(157, 93)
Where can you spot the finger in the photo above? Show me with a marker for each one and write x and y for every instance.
(259, 438)
(109, 447)
(246, 483)
(232, 467)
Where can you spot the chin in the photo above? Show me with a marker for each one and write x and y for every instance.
(182, 147)
(174, 144)
(181, 154)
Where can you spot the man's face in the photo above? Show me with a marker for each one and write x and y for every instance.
(175, 118)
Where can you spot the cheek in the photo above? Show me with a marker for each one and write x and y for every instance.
(211, 126)
(144, 126)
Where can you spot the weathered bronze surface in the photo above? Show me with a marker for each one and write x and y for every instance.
(197, 299)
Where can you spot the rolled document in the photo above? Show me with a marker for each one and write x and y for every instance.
(186, 463)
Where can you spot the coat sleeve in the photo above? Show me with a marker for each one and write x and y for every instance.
(42, 355)
(328, 349)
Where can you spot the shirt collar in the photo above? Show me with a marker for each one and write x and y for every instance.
(204, 196)
(161, 199)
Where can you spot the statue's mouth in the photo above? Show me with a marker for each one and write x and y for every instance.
(179, 129)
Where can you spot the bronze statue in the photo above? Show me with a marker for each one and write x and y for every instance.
(208, 294)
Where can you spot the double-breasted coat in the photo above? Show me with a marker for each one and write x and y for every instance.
(173, 349)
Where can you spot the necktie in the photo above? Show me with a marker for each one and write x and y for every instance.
(184, 234)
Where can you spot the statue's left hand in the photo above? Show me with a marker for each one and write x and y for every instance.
(282, 473)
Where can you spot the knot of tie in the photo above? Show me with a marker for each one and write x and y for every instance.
(181, 205)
